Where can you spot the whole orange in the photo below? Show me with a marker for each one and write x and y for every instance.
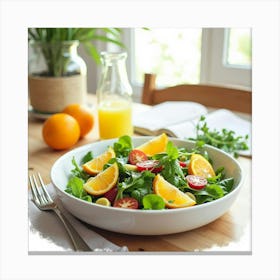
(61, 131)
(83, 116)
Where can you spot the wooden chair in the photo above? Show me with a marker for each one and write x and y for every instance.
(208, 95)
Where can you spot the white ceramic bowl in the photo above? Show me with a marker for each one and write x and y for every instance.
(148, 222)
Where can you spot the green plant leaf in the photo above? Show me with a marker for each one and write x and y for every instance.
(92, 51)
(116, 32)
(56, 63)
(107, 39)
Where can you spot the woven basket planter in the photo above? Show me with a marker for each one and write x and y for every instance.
(52, 95)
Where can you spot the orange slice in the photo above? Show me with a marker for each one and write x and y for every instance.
(200, 166)
(171, 195)
(130, 167)
(155, 145)
(103, 181)
(103, 201)
(95, 165)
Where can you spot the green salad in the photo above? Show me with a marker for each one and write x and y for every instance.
(154, 176)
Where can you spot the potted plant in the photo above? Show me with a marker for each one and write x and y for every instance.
(57, 74)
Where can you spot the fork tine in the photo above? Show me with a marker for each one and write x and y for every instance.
(39, 194)
(33, 191)
(47, 196)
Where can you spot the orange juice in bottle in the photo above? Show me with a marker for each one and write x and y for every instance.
(114, 97)
(115, 119)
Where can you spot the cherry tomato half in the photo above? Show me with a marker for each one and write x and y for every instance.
(182, 164)
(111, 194)
(196, 182)
(126, 202)
(151, 164)
(136, 156)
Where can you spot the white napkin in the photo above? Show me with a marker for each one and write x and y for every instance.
(47, 234)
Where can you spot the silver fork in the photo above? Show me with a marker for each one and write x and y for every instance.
(43, 201)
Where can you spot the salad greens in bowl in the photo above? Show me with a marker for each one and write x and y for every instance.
(147, 185)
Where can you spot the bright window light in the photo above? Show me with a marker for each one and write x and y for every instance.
(174, 55)
(238, 47)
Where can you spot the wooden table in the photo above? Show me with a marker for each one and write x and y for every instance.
(230, 233)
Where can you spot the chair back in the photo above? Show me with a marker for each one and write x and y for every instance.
(234, 99)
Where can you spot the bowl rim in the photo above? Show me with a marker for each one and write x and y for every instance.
(141, 211)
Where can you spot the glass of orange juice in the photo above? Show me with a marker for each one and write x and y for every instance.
(114, 95)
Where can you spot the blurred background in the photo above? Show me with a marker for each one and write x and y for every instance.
(220, 56)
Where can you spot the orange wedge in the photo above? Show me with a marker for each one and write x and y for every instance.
(200, 166)
(103, 181)
(95, 165)
(171, 195)
(155, 145)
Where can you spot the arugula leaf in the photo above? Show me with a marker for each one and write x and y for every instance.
(224, 139)
(87, 157)
(215, 191)
(78, 172)
(137, 185)
(172, 172)
(227, 184)
(172, 150)
(153, 202)
(209, 193)
(75, 187)
(123, 147)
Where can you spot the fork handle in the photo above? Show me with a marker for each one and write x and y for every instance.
(78, 243)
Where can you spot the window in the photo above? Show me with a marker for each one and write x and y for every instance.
(238, 50)
(189, 55)
(173, 54)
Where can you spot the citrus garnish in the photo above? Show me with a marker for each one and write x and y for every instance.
(200, 166)
(103, 201)
(172, 196)
(103, 182)
(130, 167)
(95, 165)
(191, 195)
(154, 146)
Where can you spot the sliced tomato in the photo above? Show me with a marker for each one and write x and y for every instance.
(127, 202)
(196, 182)
(183, 164)
(111, 194)
(151, 165)
(136, 156)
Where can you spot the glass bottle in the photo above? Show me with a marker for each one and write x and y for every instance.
(114, 95)
(55, 59)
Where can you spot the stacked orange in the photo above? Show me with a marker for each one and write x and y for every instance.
(63, 130)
